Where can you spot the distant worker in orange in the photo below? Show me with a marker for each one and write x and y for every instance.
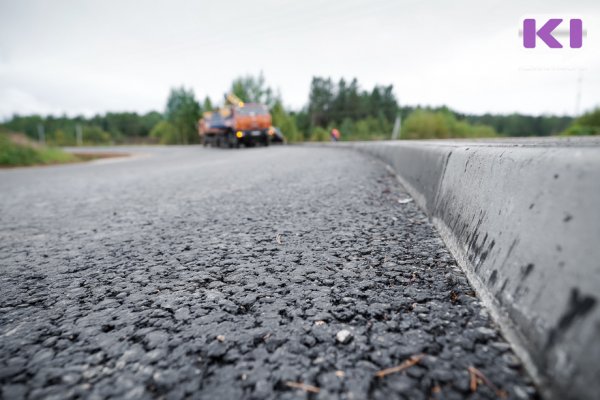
(335, 135)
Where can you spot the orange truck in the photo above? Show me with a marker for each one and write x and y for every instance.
(236, 124)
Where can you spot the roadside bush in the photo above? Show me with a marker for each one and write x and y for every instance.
(95, 135)
(423, 124)
(285, 122)
(369, 128)
(586, 125)
(165, 132)
(319, 135)
(61, 138)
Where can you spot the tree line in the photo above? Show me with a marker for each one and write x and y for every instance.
(359, 113)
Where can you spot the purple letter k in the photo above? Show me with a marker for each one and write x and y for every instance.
(545, 33)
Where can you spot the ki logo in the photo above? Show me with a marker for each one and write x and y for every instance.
(531, 33)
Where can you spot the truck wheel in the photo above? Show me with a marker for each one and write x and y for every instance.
(228, 140)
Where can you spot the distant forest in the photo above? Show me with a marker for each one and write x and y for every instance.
(360, 114)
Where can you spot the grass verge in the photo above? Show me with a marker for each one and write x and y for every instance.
(16, 151)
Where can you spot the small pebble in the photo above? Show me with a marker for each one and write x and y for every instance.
(344, 336)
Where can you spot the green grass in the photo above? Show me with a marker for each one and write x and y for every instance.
(22, 153)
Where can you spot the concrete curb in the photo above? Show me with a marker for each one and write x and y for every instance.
(522, 218)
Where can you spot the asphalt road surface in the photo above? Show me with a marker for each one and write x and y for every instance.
(279, 272)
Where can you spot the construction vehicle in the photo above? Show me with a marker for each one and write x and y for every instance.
(236, 123)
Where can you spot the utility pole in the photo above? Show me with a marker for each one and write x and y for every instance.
(79, 135)
(397, 127)
(578, 98)
(41, 134)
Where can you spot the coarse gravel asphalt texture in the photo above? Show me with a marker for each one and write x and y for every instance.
(187, 272)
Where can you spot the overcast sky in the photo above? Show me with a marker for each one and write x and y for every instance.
(119, 55)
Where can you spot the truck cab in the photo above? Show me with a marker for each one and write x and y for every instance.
(251, 123)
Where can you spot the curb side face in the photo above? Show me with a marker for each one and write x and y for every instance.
(526, 219)
(526, 224)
